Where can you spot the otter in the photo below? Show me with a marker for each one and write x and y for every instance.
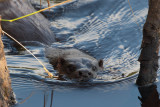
(74, 64)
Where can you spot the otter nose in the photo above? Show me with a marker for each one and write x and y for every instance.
(85, 73)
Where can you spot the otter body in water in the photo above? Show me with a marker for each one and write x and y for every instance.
(74, 64)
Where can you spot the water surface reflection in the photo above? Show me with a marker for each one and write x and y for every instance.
(149, 96)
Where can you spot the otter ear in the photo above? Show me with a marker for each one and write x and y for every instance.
(61, 61)
(100, 63)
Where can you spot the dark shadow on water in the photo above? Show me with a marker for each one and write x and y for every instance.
(149, 96)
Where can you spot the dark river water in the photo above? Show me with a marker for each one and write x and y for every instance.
(106, 30)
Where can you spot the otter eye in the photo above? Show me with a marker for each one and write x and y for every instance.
(94, 68)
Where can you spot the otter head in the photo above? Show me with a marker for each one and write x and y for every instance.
(79, 69)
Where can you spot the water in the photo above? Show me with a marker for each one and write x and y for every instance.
(106, 30)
